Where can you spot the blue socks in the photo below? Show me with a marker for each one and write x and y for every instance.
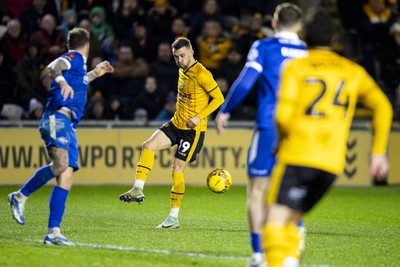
(300, 223)
(40, 178)
(57, 206)
(255, 240)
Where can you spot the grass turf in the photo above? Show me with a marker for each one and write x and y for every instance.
(350, 227)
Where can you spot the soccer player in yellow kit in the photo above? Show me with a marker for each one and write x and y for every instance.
(186, 129)
(318, 96)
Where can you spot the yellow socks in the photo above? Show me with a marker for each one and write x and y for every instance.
(178, 189)
(145, 164)
(280, 244)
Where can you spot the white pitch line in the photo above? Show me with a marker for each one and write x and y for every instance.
(167, 252)
(162, 251)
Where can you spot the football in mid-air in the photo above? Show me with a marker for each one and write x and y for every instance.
(219, 180)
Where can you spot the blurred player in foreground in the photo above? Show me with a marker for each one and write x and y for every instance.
(186, 129)
(64, 109)
(318, 96)
(263, 65)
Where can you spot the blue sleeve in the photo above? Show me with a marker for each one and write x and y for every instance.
(240, 88)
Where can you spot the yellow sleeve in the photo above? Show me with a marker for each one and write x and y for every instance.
(374, 99)
(216, 101)
(287, 99)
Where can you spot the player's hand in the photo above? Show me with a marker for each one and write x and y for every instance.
(103, 68)
(221, 121)
(66, 90)
(193, 122)
(379, 166)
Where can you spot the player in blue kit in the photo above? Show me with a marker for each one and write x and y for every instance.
(263, 65)
(64, 109)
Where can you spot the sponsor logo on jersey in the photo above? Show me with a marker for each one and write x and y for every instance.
(186, 98)
(293, 52)
(70, 56)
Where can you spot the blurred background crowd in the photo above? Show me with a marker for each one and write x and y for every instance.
(135, 36)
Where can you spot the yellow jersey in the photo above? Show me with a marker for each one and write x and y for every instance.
(195, 87)
(317, 99)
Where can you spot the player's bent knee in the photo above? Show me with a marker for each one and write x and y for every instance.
(58, 168)
(149, 146)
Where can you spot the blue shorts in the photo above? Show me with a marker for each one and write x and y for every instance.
(56, 130)
(261, 155)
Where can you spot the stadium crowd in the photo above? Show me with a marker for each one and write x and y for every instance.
(135, 36)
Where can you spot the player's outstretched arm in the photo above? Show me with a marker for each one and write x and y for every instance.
(100, 69)
(221, 121)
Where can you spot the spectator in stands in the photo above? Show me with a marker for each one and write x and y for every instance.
(213, 45)
(149, 98)
(253, 34)
(116, 110)
(243, 25)
(178, 29)
(42, 87)
(101, 29)
(14, 41)
(223, 85)
(128, 77)
(31, 16)
(81, 7)
(50, 40)
(168, 110)
(140, 115)
(374, 29)
(129, 13)
(70, 21)
(391, 64)
(35, 110)
(165, 70)
(10, 9)
(231, 67)
(8, 80)
(186, 8)
(29, 70)
(96, 108)
(143, 42)
(96, 52)
(160, 18)
(210, 11)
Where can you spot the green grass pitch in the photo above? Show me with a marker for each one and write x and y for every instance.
(349, 227)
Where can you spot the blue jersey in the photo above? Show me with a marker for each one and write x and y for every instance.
(263, 63)
(76, 77)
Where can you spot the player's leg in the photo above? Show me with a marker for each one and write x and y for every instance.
(158, 141)
(257, 186)
(280, 235)
(260, 161)
(67, 161)
(51, 131)
(294, 191)
(176, 195)
(189, 143)
(18, 199)
(57, 202)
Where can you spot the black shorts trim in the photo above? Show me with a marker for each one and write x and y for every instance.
(189, 141)
(299, 187)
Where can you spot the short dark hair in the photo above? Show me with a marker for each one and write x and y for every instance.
(288, 14)
(77, 38)
(318, 27)
(181, 42)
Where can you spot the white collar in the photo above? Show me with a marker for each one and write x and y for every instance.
(287, 35)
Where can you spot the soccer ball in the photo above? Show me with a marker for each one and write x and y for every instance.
(219, 180)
